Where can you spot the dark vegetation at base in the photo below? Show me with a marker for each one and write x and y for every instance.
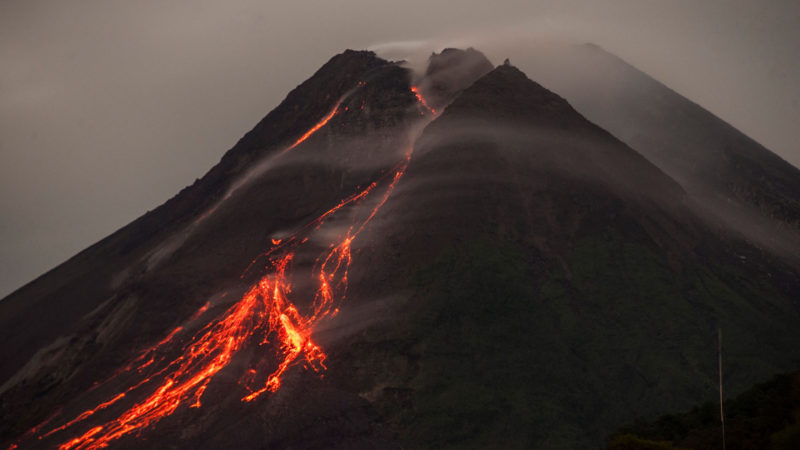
(765, 417)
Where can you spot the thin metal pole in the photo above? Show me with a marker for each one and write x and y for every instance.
(719, 362)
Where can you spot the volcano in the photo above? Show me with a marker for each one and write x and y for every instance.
(399, 260)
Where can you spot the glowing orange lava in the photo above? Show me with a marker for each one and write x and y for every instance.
(422, 100)
(264, 316)
(316, 127)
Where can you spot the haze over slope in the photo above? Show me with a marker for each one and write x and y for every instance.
(747, 186)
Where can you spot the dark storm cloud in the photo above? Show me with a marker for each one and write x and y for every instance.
(108, 108)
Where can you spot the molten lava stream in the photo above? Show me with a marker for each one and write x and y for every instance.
(264, 314)
(422, 100)
(319, 125)
(248, 176)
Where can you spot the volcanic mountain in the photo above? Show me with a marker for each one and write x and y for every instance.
(389, 259)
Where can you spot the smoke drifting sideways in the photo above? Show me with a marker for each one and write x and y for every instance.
(504, 163)
(353, 156)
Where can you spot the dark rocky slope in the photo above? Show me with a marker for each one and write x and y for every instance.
(743, 184)
(559, 282)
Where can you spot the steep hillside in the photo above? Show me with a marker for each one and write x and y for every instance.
(558, 283)
(746, 186)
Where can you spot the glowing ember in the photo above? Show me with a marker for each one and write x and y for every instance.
(264, 315)
(316, 127)
(422, 100)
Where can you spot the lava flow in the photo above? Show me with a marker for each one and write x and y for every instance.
(422, 100)
(247, 177)
(265, 316)
(316, 127)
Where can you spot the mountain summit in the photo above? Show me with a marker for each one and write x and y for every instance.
(398, 260)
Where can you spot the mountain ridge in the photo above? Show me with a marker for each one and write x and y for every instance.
(745, 187)
(600, 302)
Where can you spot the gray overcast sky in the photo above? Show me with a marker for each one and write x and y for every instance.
(109, 107)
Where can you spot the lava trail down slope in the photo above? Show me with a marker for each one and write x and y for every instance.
(264, 315)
